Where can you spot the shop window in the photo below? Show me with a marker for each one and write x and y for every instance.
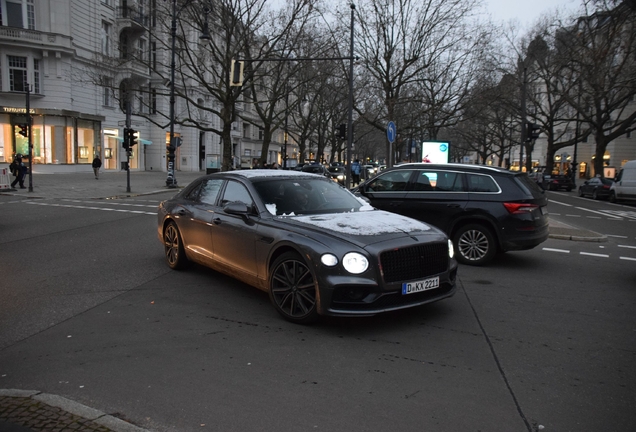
(36, 76)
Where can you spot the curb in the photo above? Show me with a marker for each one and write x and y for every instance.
(44, 404)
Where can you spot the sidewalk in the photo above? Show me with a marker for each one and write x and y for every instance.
(33, 411)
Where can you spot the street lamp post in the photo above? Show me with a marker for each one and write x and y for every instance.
(171, 181)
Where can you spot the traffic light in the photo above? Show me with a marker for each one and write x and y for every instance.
(532, 131)
(23, 130)
(236, 73)
(342, 131)
(132, 138)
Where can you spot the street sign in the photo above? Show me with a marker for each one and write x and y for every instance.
(391, 132)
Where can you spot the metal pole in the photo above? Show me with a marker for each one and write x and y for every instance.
(286, 130)
(171, 181)
(129, 149)
(29, 122)
(523, 117)
(350, 117)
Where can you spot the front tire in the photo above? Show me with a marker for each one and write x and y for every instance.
(595, 194)
(580, 192)
(173, 247)
(612, 197)
(475, 245)
(292, 289)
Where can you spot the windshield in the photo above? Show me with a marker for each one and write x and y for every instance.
(305, 196)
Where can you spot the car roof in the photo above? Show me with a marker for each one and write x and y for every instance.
(264, 173)
(464, 167)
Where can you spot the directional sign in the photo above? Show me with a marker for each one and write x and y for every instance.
(391, 132)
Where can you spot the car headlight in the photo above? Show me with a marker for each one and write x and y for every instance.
(329, 260)
(451, 249)
(355, 263)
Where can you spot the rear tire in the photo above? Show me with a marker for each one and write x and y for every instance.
(292, 289)
(580, 192)
(173, 247)
(474, 245)
(595, 194)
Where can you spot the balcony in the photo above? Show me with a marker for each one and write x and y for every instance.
(17, 37)
(132, 19)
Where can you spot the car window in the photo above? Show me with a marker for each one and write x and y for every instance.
(193, 194)
(440, 181)
(481, 183)
(235, 191)
(390, 181)
(210, 191)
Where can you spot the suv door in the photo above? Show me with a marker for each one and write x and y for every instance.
(435, 196)
(387, 190)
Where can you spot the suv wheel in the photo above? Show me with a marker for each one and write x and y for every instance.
(475, 245)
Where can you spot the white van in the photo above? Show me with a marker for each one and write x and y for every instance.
(624, 187)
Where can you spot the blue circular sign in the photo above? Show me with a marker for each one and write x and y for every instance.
(443, 147)
(391, 132)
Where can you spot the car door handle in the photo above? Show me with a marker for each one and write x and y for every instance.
(216, 221)
(453, 205)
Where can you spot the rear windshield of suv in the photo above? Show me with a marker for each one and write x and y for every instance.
(528, 185)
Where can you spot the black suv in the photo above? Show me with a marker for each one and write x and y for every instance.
(483, 209)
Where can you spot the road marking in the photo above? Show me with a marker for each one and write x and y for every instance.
(628, 247)
(616, 236)
(92, 208)
(594, 254)
(593, 217)
(558, 202)
(556, 250)
(573, 215)
(627, 258)
(597, 212)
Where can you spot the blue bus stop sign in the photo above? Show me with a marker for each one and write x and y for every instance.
(391, 132)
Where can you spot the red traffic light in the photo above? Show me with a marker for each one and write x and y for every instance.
(23, 130)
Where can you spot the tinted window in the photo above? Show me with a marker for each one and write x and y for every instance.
(481, 183)
(210, 191)
(390, 181)
(193, 194)
(441, 181)
(236, 192)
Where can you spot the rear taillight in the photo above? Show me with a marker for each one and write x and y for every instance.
(519, 208)
(606, 187)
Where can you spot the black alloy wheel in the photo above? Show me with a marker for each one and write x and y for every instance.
(292, 289)
(173, 247)
(580, 191)
(612, 197)
(595, 194)
(474, 245)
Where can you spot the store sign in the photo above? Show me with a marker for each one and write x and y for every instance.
(15, 110)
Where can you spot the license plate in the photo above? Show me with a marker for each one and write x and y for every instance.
(419, 286)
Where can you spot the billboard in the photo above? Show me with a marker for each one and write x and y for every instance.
(435, 151)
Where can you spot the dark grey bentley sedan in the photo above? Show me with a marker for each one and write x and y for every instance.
(315, 247)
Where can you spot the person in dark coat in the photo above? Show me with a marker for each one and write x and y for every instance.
(97, 164)
(19, 171)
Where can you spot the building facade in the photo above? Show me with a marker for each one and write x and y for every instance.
(73, 60)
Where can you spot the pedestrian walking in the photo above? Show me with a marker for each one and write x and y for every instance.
(355, 172)
(18, 169)
(97, 164)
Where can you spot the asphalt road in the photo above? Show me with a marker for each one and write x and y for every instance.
(541, 340)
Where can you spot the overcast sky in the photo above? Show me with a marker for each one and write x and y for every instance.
(526, 11)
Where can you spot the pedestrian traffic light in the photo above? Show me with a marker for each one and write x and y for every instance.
(342, 131)
(23, 130)
(532, 131)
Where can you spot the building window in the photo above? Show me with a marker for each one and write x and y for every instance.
(248, 152)
(36, 76)
(628, 134)
(261, 133)
(108, 91)
(30, 15)
(141, 49)
(106, 38)
(17, 74)
(246, 131)
(153, 100)
(153, 55)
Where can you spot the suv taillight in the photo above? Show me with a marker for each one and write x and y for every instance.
(519, 208)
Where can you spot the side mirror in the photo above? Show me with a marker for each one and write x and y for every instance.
(237, 208)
